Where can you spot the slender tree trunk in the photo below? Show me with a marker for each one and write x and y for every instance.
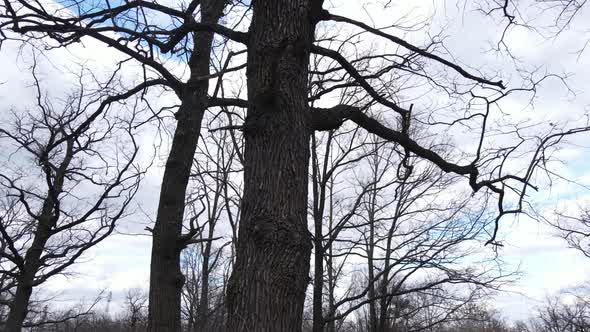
(383, 301)
(318, 281)
(371, 276)
(24, 289)
(319, 199)
(166, 279)
(331, 326)
(371, 246)
(267, 287)
(203, 309)
(32, 260)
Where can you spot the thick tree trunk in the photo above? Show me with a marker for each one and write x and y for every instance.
(267, 287)
(18, 307)
(166, 279)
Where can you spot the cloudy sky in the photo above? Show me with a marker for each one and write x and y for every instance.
(122, 261)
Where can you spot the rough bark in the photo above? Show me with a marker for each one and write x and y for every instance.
(166, 279)
(267, 287)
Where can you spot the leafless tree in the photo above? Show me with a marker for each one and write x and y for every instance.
(574, 229)
(557, 17)
(402, 227)
(43, 317)
(71, 177)
(136, 307)
(212, 220)
(340, 151)
(479, 317)
(568, 311)
(137, 30)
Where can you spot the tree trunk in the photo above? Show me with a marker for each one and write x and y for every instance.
(166, 279)
(371, 275)
(385, 321)
(383, 285)
(331, 326)
(267, 287)
(318, 282)
(18, 307)
(372, 207)
(24, 289)
(319, 199)
(32, 260)
(203, 309)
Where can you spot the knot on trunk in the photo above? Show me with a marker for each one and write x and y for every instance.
(323, 120)
(285, 232)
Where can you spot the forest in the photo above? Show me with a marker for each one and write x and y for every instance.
(294, 165)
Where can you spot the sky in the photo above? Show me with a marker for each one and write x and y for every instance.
(122, 261)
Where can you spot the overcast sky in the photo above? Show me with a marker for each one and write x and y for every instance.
(122, 261)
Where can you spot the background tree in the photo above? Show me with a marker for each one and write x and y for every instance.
(136, 305)
(566, 311)
(213, 179)
(331, 154)
(72, 177)
(574, 229)
(480, 317)
(417, 244)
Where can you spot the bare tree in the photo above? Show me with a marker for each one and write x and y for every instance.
(72, 177)
(559, 16)
(211, 219)
(574, 229)
(42, 317)
(566, 312)
(137, 30)
(479, 317)
(136, 306)
(404, 228)
(166, 278)
(340, 151)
